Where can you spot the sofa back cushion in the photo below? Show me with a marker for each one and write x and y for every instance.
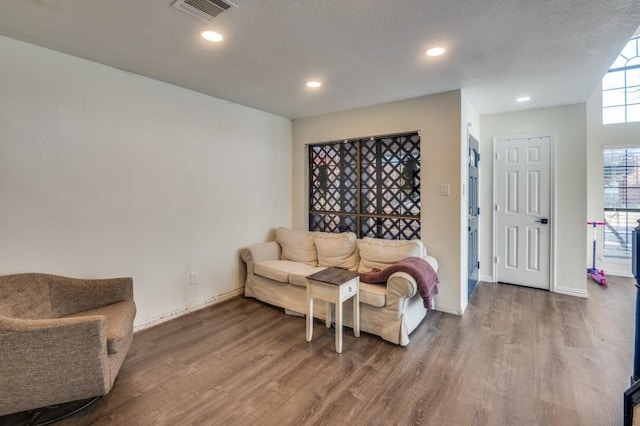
(298, 246)
(337, 250)
(25, 296)
(376, 253)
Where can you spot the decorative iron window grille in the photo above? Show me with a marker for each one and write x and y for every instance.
(621, 86)
(621, 200)
(369, 186)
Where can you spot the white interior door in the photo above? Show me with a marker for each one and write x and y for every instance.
(523, 211)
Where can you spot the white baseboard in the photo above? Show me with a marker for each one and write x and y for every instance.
(620, 273)
(447, 309)
(486, 278)
(572, 291)
(192, 308)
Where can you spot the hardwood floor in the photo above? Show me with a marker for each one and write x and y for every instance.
(517, 356)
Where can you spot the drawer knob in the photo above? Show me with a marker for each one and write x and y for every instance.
(350, 289)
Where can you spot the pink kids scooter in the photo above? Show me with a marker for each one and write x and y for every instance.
(596, 275)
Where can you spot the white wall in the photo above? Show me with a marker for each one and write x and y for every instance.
(438, 119)
(568, 126)
(600, 136)
(104, 173)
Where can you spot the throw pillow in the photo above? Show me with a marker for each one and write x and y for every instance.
(298, 246)
(377, 253)
(337, 250)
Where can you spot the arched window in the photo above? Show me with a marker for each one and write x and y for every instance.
(621, 87)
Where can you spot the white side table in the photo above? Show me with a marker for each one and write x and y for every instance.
(334, 286)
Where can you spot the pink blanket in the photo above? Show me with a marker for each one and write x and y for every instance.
(418, 268)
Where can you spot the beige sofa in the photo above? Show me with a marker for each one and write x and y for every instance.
(61, 339)
(277, 271)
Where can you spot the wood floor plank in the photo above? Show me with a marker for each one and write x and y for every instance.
(517, 356)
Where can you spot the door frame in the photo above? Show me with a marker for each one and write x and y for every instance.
(552, 204)
(467, 206)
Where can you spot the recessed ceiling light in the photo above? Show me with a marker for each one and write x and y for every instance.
(211, 36)
(314, 84)
(523, 99)
(435, 51)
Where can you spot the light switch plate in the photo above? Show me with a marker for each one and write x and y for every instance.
(445, 189)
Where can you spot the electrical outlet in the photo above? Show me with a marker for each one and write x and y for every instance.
(193, 278)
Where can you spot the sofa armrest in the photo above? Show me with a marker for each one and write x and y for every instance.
(65, 356)
(433, 262)
(258, 252)
(401, 285)
(72, 295)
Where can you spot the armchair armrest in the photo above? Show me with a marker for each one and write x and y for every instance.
(258, 252)
(66, 356)
(72, 295)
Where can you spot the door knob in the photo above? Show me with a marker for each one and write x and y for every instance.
(543, 221)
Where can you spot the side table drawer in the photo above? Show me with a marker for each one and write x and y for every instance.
(348, 289)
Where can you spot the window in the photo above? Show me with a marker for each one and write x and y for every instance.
(621, 87)
(367, 186)
(621, 200)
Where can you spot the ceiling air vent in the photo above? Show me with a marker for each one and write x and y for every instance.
(204, 10)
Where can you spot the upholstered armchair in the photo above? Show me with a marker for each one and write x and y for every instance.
(61, 339)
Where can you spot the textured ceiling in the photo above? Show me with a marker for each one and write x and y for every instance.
(365, 51)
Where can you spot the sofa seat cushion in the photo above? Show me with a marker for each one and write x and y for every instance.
(119, 323)
(282, 270)
(373, 294)
(300, 278)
